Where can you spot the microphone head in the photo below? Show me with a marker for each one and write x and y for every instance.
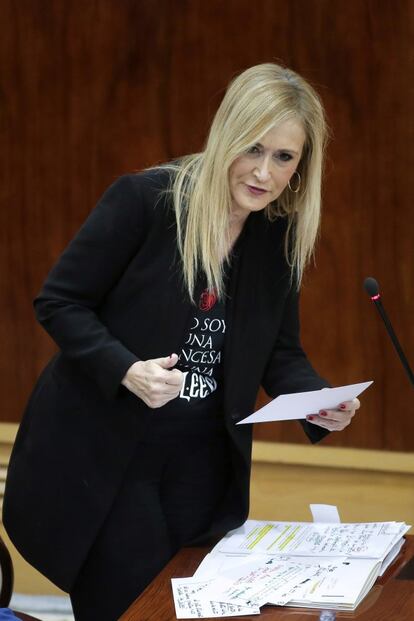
(371, 287)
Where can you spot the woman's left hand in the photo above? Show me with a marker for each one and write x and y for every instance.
(336, 420)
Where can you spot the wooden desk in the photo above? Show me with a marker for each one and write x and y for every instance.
(390, 599)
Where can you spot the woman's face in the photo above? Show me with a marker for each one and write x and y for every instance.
(261, 174)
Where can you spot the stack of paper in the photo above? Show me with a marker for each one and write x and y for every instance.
(317, 565)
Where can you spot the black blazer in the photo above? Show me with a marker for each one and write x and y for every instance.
(116, 296)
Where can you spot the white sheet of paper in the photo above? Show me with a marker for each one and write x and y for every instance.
(359, 540)
(214, 564)
(306, 580)
(391, 556)
(325, 514)
(251, 584)
(342, 583)
(188, 604)
(300, 404)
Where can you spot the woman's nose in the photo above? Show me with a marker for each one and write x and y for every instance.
(262, 171)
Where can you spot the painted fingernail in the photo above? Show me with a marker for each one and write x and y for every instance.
(323, 413)
(343, 406)
(310, 417)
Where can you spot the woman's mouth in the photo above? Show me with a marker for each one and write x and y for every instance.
(254, 190)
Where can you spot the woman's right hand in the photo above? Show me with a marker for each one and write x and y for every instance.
(154, 381)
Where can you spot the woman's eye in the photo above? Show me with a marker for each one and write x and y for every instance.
(284, 157)
(254, 150)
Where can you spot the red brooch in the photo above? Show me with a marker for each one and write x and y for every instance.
(207, 300)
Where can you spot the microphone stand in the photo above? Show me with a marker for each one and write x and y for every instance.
(376, 298)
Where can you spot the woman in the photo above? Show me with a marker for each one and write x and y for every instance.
(174, 302)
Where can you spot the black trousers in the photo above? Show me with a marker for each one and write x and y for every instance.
(176, 480)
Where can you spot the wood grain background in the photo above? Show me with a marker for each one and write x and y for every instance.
(91, 89)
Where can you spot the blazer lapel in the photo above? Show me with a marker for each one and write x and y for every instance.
(256, 296)
(243, 303)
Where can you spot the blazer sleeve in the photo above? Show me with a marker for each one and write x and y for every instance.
(67, 305)
(288, 369)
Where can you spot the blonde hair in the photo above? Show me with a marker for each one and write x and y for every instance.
(255, 102)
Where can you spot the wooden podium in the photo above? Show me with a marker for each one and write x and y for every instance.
(390, 599)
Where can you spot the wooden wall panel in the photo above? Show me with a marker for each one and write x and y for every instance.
(89, 90)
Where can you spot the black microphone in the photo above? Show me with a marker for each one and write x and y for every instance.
(372, 288)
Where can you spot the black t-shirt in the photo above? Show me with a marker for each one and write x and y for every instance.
(201, 352)
(200, 357)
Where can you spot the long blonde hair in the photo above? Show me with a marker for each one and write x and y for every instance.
(256, 101)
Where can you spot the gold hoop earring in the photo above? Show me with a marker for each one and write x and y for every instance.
(295, 190)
